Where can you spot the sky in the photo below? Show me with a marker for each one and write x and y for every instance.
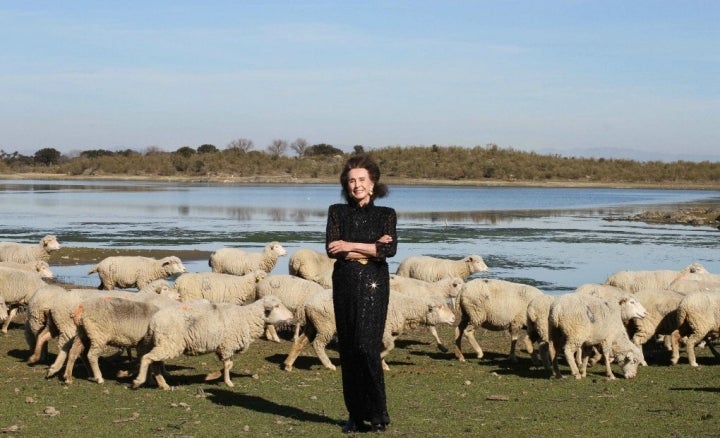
(617, 79)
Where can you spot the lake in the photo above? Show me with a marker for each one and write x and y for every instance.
(552, 238)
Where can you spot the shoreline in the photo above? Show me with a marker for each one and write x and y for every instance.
(270, 179)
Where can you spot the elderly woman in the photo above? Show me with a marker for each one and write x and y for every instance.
(360, 235)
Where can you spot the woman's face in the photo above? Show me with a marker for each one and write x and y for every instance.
(359, 185)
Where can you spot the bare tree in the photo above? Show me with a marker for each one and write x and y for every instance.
(300, 146)
(241, 144)
(277, 148)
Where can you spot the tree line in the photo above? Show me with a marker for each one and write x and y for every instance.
(299, 160)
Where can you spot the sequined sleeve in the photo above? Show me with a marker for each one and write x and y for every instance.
(389, 228)
(333, 231)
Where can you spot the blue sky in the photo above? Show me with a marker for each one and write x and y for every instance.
(577, 78)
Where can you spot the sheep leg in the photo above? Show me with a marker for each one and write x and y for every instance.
(469, 334)
(319, 346)
(570, 355)
(298, 345)
(155, 355)
(93, 354)
(64, 342)
(606, 351)
(40, 345)
(388, 345)
(545, 353)
(227, 366)
(712, 349)
(675, 347)
(9, 319)
(271, 333)
(457, 348)
(78, 346)
(692, 340)
(555, 362)
(438, 342)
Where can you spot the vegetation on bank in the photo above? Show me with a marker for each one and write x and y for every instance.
(238, 160)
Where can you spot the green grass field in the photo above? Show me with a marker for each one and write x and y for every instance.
(429, 393)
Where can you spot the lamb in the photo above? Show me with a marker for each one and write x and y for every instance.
(633, 281)
(208, 327)
(494, 305)
(312, 265)
(16, 288)
(135, 271)
(28, 253)
(219, 288)
(579, 320)
(433, 269)
(403, 311)
(698, 315)
(448, 288)
(537, 329)
(291, 290)
(118, 322)
(39, 266)
(238, 262)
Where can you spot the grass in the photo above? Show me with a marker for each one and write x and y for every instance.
(429, 394)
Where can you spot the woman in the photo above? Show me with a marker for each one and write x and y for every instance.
(360, 235)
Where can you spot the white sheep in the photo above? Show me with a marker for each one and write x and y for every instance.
(238, 262)
(633, 281)
(433, 268)
(582, 320)
(494, 305)
(16, 288)
(60, 322)
(118, 322)
(135, 271)
(202, 328)
(403, 311)
(695, 282)
(537, 329)
(28, 253)
(39, 266)
(661, 318)
(698, 316)
(447, 288)
(219, 288)
(312, 265)
(292, 291)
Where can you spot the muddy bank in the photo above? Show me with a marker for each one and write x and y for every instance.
(696, 216)
(83, 256)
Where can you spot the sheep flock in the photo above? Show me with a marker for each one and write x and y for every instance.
(162, 311)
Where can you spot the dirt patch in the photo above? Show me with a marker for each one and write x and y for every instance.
(82, 256)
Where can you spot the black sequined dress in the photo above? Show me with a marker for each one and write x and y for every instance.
(360, 299)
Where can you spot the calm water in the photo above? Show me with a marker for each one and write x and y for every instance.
(553, 238)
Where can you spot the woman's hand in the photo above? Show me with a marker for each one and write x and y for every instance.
(385, 239)
(337, 246)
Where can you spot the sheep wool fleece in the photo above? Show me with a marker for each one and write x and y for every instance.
(360, 299)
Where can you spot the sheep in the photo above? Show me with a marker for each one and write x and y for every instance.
(238, 262)
(60, 323)
(581, 320)
(494, 305)
(292, 291)
(448, 288)
(633, 281)
(135, 271)
(219, 288)
(36, 319)
(695, 282)
(16, 288)
(39, 266)
(661, 318)
(28, 253)
(433, 269)
(119, 322)
(202, 328)
(312, 265)
(403, 311)
(538, 309)
(698, 316)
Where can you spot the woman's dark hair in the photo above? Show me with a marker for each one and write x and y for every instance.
(363, 161)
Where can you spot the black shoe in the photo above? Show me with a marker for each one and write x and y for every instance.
(378, 427)
(352, 426)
